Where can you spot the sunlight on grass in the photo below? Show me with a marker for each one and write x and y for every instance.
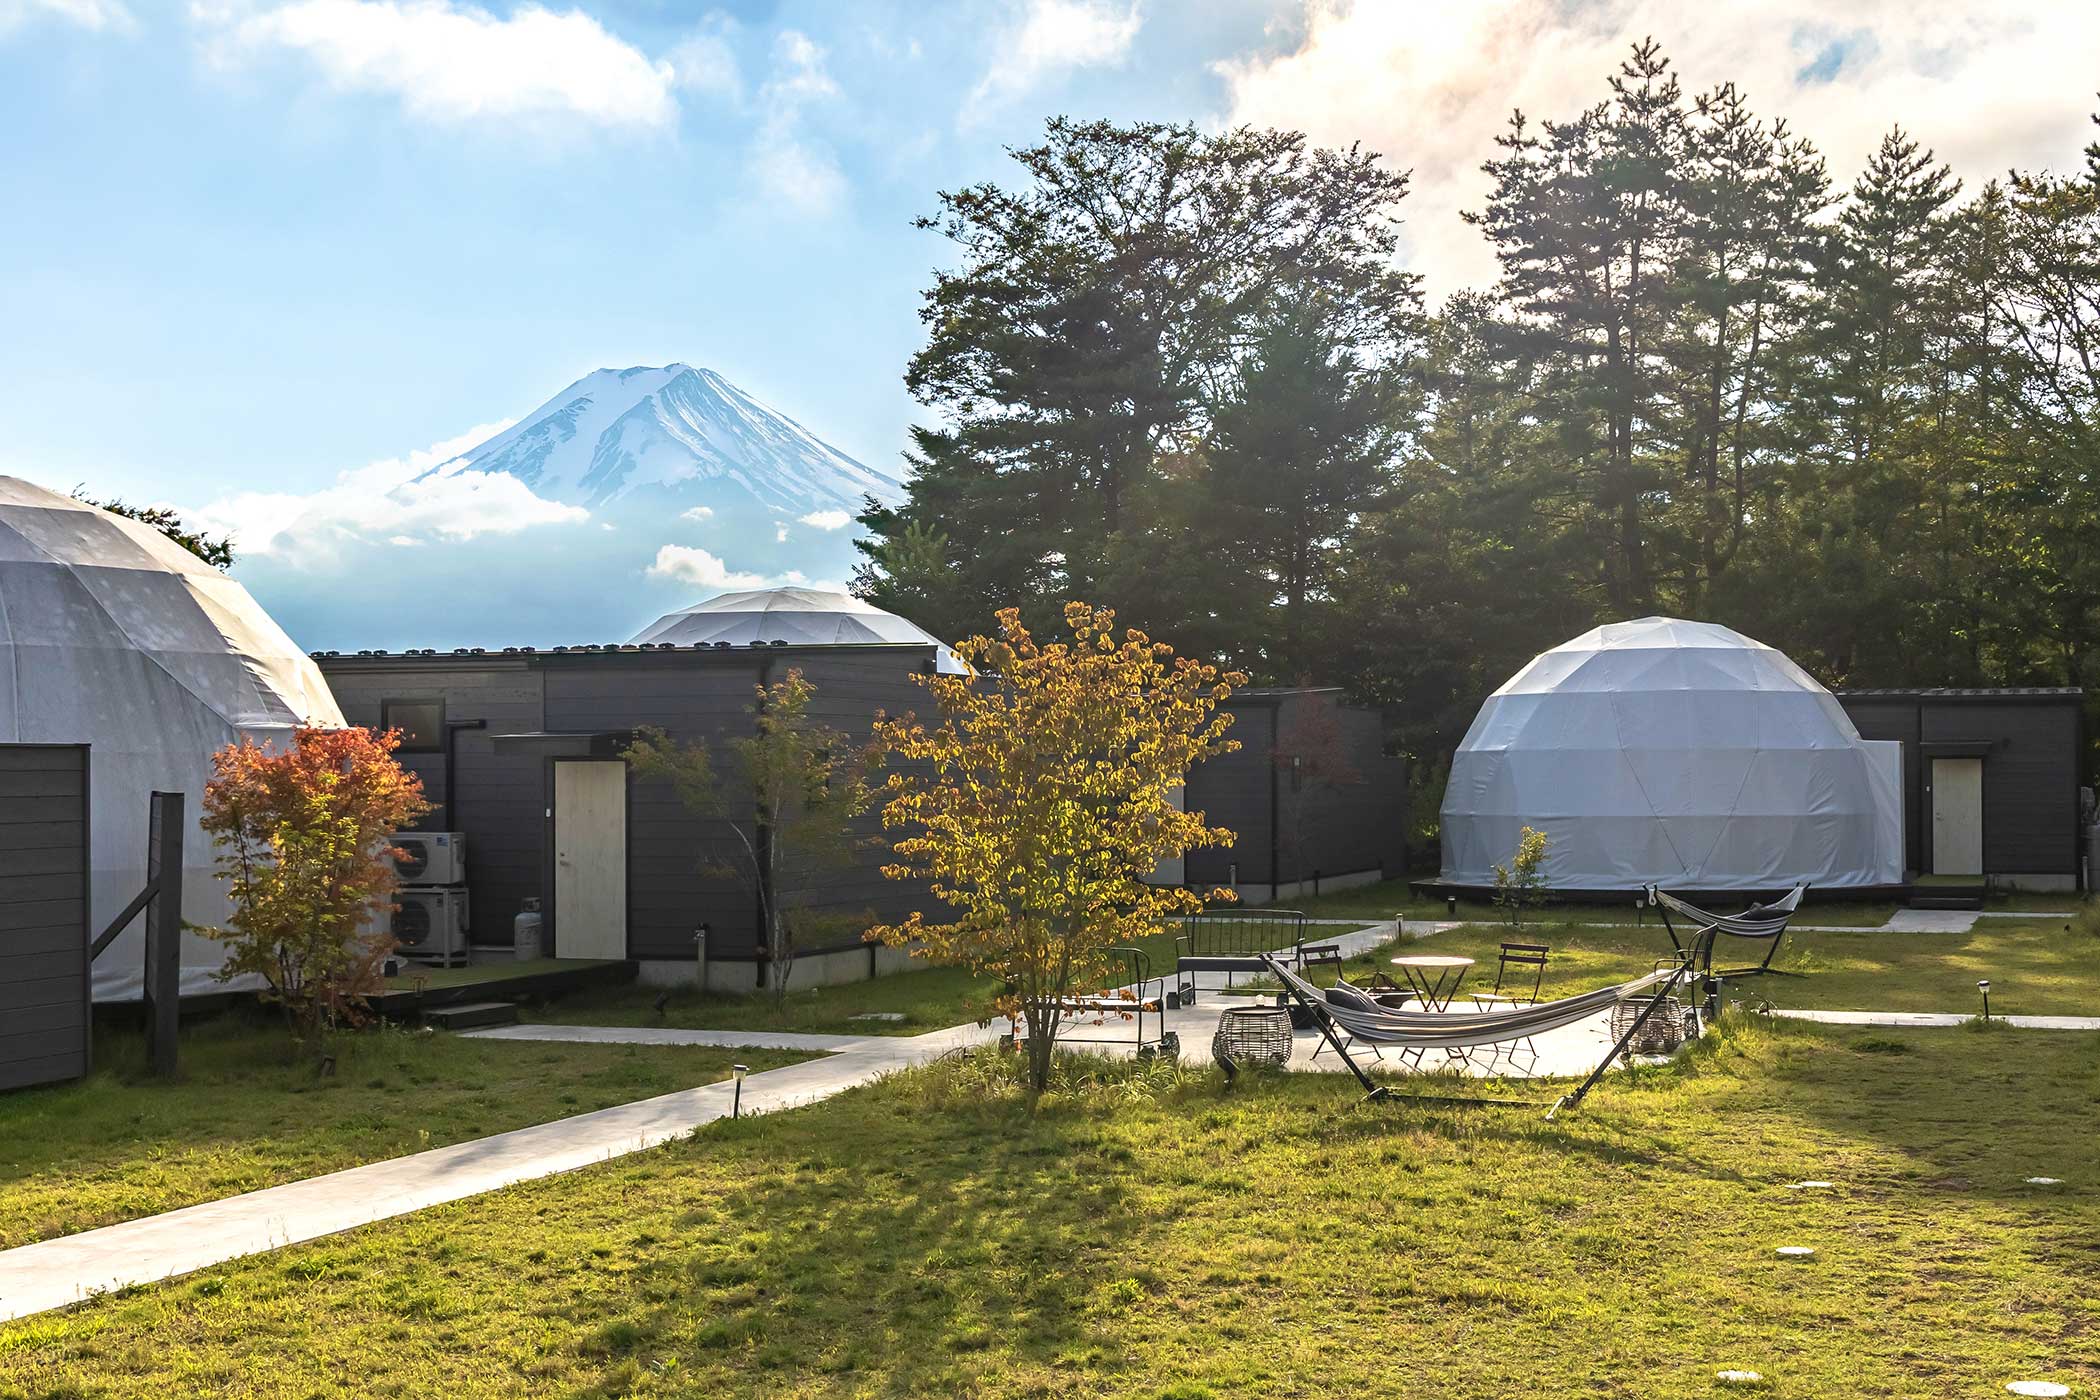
(1146, 1232)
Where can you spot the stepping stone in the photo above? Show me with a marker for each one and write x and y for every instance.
(1809, 1185)
(1794, 1251)
(2037, 1388)
(1738, 1377)
(2045, 1181)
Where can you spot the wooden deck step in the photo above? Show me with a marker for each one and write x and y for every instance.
(472, 1015)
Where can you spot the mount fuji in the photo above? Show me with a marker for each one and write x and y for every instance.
(628, 494)
(672, 436)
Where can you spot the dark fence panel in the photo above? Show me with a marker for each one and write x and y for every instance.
(43, 913)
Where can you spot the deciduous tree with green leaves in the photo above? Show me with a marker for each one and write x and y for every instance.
(1519, 885)
(786, 808)
(1043, 800)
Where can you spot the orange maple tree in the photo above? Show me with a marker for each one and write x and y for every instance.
(303, 839)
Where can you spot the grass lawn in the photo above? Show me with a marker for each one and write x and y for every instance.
(245, 1114)
(1383, 901)
(2035, 967)
(1154, 1235)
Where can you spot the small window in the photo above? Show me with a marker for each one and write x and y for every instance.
(421, 722)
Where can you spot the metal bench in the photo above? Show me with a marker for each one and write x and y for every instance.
(1232, 941)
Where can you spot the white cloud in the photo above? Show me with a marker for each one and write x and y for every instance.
(828, 519)
(94, 15)
(780, 534)
(698, 513)
(1050, 38)
(704, 62)
(1987, 83)
(688, 565)
(400, 501)
(696, 566)
(456, 62)
(790, 166)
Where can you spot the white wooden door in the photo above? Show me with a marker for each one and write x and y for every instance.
(590, 859)
(1957, 816)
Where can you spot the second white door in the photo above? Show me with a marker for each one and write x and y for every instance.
(1957, 816)
(590, 859)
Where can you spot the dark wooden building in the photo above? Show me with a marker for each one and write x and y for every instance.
(1313, 797)
(43, 913)
(521, 750)
(1990, 780)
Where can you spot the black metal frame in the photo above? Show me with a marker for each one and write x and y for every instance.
(1532, 955)
(1762, 969)
(1107, 1003)
(1218, 940)
(1688, 964)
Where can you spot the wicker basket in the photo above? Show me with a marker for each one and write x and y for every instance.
(1253, 1035)
(1664, 1030)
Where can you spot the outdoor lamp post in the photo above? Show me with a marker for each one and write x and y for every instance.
(1451, 905)
(1984, 986)
(736, 1101)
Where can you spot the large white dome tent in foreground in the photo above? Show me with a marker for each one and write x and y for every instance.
(114, 636)
(1676, 753)
(801, 616)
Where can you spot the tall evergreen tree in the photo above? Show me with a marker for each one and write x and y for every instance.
(1095, 309)
(1588, 221)
(1302, 450)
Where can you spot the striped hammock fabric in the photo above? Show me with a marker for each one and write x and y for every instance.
(1764, 921)
(1445, 1030)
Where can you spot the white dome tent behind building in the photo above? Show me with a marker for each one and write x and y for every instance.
(114, 636)
(1676, 753)
(798, 616)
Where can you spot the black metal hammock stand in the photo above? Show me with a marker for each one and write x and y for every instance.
(1766, 921)
(1343, 1016)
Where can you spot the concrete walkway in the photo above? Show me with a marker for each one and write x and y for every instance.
(1939, 1019)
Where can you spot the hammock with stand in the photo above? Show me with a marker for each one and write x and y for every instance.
(1767, 921)
(1360, 1019)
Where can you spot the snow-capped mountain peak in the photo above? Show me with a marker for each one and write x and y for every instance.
(672, 436)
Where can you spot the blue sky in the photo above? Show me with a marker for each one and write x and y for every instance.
(251, 245)
(237, 266)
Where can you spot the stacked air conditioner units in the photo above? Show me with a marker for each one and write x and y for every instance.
(430, 922)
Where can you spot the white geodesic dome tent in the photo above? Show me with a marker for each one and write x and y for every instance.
(114, 636)
(1675, 753)
(799, 616)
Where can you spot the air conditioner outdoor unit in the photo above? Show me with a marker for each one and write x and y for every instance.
(431, 925)
(430, 857)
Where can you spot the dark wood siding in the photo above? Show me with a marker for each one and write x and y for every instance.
(674, 857)
(1356, 820)
(43, 914)
(1235, 791)
(2030, 779)
(670, 889)
(502, 797)
(2029, 744)
(850, 689)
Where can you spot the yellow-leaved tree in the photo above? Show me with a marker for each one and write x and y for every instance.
(1042, 801)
